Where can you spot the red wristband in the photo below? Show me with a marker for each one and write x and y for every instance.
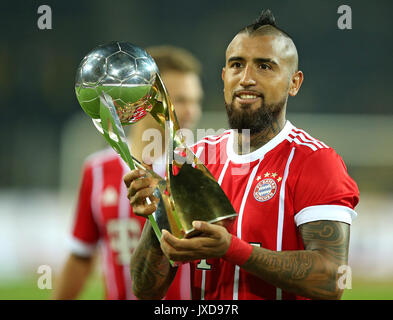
(238, 252)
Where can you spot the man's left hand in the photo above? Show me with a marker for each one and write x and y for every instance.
(213, 242)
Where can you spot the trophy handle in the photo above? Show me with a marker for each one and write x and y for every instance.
(109, 126)
(112, 130)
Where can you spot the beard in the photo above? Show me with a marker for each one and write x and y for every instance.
(256, 120)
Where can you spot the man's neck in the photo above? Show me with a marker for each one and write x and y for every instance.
(248, 143)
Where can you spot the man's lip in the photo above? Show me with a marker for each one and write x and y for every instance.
(247, 92)
(247, 101)
(247, 97)
(244, 93)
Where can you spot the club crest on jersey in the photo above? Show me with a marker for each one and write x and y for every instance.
(265, 190)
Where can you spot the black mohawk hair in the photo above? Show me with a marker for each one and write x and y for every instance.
(266, 17)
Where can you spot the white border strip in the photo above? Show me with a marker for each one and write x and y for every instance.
(222, 174)
(239, 226)
(325, 212)
(281, 212)
(81, 248)
(281, 205)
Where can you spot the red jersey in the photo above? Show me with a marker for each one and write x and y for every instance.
(291, 180)
(104, 215)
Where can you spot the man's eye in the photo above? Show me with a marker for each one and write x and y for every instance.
(265, 66)
(236, 65)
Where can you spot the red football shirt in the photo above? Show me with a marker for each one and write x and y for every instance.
(104, 215)
(291, 180)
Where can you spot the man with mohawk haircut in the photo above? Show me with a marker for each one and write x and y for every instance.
(295, 200)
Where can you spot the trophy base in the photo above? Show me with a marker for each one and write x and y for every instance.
(224, 221)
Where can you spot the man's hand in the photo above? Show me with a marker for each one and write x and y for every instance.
(141, 187)
(212, 243)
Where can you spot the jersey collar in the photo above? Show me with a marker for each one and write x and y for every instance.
(259, 153)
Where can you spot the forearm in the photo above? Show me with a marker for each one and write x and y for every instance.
(151, 271)
(73, 277)
(307, 273)
(312, 272)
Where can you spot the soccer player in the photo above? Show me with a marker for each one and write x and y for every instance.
(103, 213)
(294, 198)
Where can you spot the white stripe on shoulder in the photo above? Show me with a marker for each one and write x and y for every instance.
(311, 139)
(301, 137)
(296, 140)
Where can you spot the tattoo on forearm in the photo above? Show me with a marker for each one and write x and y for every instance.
(150, 269)
(294, 265)
(311, 272)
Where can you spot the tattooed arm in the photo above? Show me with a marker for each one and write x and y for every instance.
(151, 271)
(312, 272)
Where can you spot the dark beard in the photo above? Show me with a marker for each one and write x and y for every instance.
(257, 120)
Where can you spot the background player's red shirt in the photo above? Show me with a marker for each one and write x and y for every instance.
(291, 180)
(104, 215)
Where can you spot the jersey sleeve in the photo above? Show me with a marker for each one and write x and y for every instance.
(324, 190)
(85, 232)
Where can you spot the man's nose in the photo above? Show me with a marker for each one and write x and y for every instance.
(247, 77)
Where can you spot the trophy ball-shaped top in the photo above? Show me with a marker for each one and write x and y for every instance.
(122, 71)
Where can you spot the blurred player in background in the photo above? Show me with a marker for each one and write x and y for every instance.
(104, 215)
(294, 198)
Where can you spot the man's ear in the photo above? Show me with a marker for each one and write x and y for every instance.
(296, 82)
(223, 73)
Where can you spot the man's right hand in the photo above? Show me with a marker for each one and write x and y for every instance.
(141, 187)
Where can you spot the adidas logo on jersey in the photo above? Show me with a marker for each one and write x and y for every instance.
(109, 197)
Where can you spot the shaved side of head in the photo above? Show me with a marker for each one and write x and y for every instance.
(265, 25)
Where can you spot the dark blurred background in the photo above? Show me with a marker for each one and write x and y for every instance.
(346, 71)
(346, 101)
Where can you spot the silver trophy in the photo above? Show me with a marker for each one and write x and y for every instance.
(117, 84)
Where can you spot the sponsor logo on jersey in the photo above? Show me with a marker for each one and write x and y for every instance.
(265, 190)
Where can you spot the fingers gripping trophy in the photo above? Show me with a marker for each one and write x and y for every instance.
(118, 84)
